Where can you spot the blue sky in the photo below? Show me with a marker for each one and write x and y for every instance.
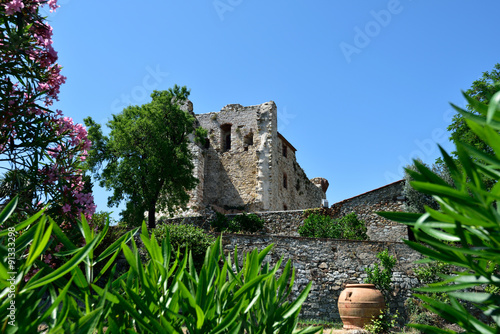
(362, 87)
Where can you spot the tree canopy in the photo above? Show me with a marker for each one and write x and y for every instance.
(481, 90)
(146, 160)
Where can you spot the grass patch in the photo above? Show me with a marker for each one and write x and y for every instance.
(319, 322)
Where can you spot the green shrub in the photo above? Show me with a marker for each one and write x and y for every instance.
(383, 323)
(240, 223)
(353, 228)
(382, 276)
(318, 225)
(248, 222)
(184, 235)
(220, 223)
(51, 296)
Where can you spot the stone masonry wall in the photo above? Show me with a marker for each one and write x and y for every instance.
(330, 264)
(231, 173)
(366, 206)
(300, 192)
(242, 167)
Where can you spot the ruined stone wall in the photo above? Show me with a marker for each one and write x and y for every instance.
(366, 206)
(330, 264)
(295, 190)
(231, 174)
(267, 119)
(248, 173)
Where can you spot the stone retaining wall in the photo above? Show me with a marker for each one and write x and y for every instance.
(330, 264)
(366, 206)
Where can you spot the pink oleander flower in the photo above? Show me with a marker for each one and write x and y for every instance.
(53, 5)
(66, 208)
(13, 7)
(58, 247)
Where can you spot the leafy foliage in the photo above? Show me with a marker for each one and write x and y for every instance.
(469, 217)
(248, 222)
(382, 277)
(146, 160)
(163, 295)
(220, 223)
(41, 150)
(481, 90)
(316, 226)
(52, 295)
(428, 273)
(383, 323)
(415, 200)
(323, 226)
(240, 223)
(185, 236)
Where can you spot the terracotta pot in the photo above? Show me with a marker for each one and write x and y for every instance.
(358, 303)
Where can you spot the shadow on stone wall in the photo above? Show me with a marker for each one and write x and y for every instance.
(220, 190)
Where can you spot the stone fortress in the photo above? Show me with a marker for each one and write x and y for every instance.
(247, 165)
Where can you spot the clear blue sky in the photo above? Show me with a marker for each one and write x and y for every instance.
(362, 87)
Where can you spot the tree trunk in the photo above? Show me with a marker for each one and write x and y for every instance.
(151, 216)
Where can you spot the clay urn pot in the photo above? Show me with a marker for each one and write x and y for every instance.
(358, 303)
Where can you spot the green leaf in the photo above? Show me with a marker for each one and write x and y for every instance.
(116, 246)
(7, 211)
(24, 224)
(200, 316)
(229, 319)
(309, 330)
(136, 315)
(475, 297)
(297, 303)
(64, 269)
(401, 217)
(493, 107)
(39, 242)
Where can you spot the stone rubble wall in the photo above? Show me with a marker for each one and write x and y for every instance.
(330, 264)
(231, 175)
(366, 206)
(300, 192)
(248, 176)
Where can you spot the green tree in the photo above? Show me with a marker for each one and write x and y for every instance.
(145, 159)
(481, 90)
(416, 201)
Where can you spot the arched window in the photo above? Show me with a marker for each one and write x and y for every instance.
(285, 208)
(285, 181)
(285, 150)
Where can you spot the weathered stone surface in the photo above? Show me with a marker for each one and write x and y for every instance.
(321, 183)
(330, 264)
(248, 165)
(387, 198)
